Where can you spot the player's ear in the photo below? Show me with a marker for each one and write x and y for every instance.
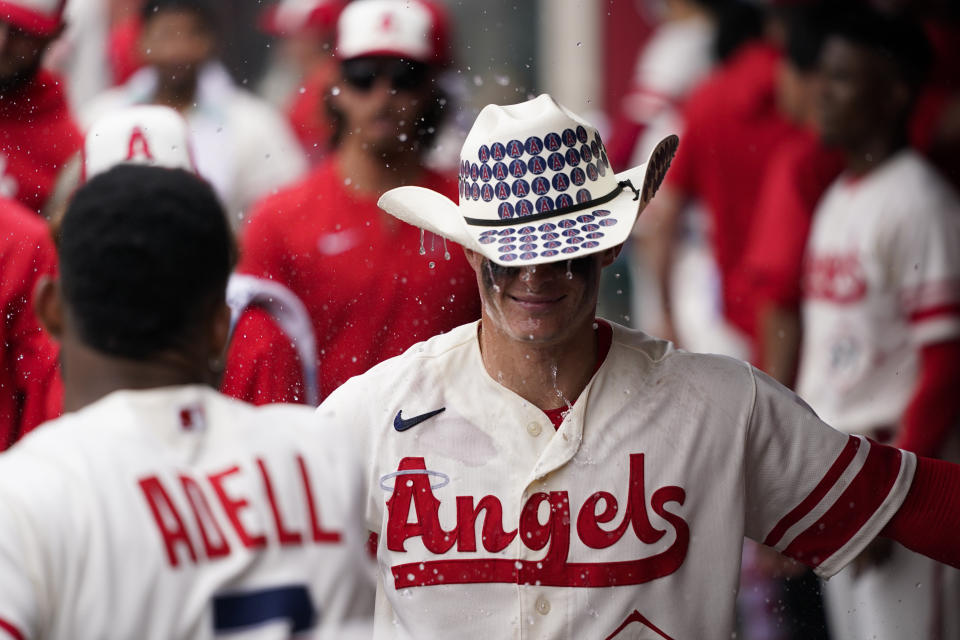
(220, 331)
(475, 259)
(48, 305)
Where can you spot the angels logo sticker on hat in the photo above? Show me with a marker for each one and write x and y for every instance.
(569, 205)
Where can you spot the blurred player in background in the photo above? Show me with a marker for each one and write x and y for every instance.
(156, 507)
(241, 145)
(28, 364)
(306, 68)
(37, 133)
(373, 286)
(881, 308)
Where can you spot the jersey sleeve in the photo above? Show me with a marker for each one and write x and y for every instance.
(262, 364)
(813, 493)
(350, 409)
(925, 259)
(22, 608)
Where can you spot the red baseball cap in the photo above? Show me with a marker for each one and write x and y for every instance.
(414, 29)
(37, 17)
(295, 16)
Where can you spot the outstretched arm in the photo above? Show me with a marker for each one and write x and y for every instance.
(929, 518)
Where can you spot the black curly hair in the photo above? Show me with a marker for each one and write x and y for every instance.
(145, 254)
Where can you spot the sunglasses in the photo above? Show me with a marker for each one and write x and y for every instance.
(404, 75)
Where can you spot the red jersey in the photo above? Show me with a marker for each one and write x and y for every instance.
(264, 366)
(369, 291)
(732, 128)
(799, 173)
(37, 137)
(28, 358)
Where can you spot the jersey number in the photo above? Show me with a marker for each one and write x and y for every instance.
(235, 611)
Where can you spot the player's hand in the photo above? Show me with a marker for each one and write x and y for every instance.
(774, 564)
(876, 554)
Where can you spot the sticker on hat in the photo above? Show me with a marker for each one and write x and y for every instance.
(141, 134)
(562, 219)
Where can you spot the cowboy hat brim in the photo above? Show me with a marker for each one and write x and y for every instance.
(549, 238)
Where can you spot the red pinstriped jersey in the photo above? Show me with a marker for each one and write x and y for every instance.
(881, 280)
(627, 521)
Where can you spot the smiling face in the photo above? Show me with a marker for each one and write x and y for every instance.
(541, 305)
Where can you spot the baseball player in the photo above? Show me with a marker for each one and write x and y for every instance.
(156, 507)
(28, 362)
(546, 474)
(373, 287)
(38, 133)
(881, 309)
(242, 145)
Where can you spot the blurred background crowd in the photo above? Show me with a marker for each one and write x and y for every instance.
(300, 129)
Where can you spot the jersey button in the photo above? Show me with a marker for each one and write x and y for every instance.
(534, 429)
(543, 606)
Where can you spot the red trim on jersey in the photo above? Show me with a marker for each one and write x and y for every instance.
(604, 340)
(949, 309)
(928, 520)
(15, 633)
(855, 506)
(813, 499)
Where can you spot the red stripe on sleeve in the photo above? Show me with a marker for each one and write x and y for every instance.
(11, 630)
(829, 479)
(920, 315)
(852, 510)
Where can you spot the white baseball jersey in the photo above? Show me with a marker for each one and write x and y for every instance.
(882, 278)
(181, 513)
(627, 522)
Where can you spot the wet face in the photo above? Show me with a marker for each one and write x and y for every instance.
(20, 55)
(540, 305)
(382, 101)
(858, 98)
(176, 42)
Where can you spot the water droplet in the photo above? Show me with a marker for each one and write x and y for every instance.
(431, 264)
(334, 91)
(302, 90)
(423, 249)
(579, 44)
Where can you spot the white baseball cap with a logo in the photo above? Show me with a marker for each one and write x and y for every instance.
(37, 17)
(413, 29)
(141, 134)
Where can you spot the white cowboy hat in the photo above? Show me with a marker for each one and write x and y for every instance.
(535, 187)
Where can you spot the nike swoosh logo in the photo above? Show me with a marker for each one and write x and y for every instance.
(402, 425)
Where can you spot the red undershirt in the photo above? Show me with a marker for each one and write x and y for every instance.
(604, 340)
